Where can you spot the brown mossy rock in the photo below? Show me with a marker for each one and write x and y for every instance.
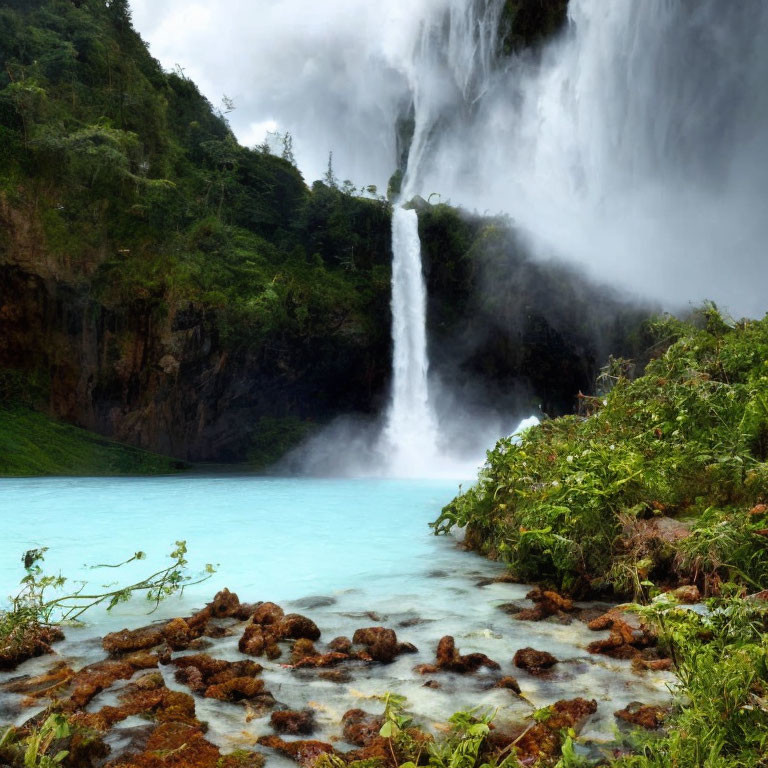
(322, 660)
(160, 704)
(95, 678)
(147, 697)
(305, 753)
(294, 626)
(547, 603)
(533, 661)
(509, 683)
(376, 751)
(293, 722)
(639, 664)
(543, 740)
(301, 649)
(242, 759)
(340, 645)
(180, 745)
(381, 644)
(360, 727)
(254, 641)
(236, 689)
(449, 659)
(688, 594)
(27, 642)
(198, 622)
(224, 605)
(628, 636)
(268, 614)
(272, 650)
(214, 677)
(40, 686)
(646, 716)
(177, 634)
(131, 640)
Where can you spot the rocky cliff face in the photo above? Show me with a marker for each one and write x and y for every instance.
(158, 375)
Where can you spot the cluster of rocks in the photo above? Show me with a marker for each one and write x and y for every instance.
(628, 639)
(173, 736)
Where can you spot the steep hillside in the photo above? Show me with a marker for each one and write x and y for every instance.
(160, 283)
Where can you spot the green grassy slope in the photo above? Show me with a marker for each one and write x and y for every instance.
(33, 444)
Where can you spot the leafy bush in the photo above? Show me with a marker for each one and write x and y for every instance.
(722, 691)
(569, 503)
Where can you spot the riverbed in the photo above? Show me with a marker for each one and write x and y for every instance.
(346, 553)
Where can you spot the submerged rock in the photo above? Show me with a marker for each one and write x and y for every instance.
(183, 745)
(547, 603)
(534, 661)
(450, 660)
(40, 686)
(293, 722)
(237, 689)
(305, 753)
(646, 716)
(360, 727)
(510, 683)
(330, 659)
(313, 602)
(95, 678)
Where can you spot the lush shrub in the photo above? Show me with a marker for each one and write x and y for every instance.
(569, 503)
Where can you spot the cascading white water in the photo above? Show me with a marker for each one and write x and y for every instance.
(411, 430)
(457, 46)
(635, 144)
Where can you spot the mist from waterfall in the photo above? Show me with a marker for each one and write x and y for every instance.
(636, 144)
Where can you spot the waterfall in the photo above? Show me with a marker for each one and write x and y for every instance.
(411, 431)
(450, 64)
(634, 144)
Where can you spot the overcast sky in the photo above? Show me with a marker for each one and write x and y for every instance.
(276, 60)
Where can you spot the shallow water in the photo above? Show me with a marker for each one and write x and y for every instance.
(363, 545)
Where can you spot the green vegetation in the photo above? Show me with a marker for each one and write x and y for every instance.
(130, 216)
(663, 482)
(721, 717)
(34, 749)
(29, 624)
(33, 444)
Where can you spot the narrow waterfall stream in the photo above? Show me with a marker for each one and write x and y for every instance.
(411, 430)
